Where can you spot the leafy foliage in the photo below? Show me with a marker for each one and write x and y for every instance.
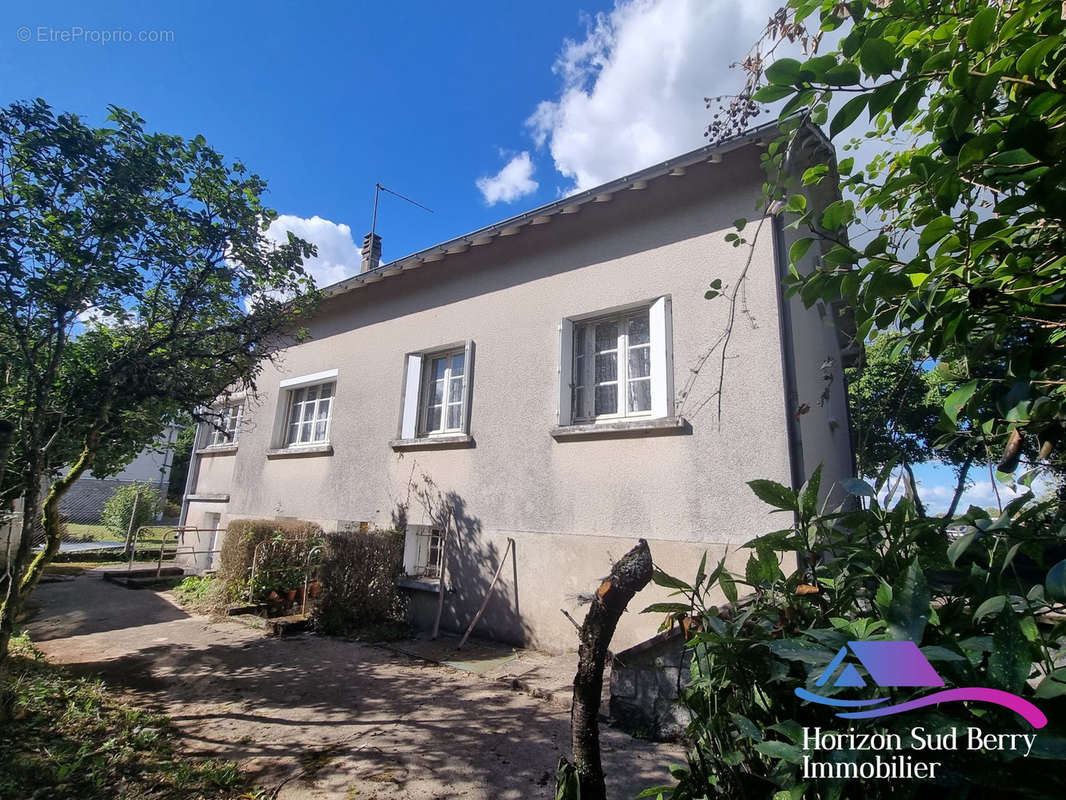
(956, 238)
(270, 553)
(137, 501)
(983, 609)
(358, 576)
(67, 736)
(138, 284)
(895, 406)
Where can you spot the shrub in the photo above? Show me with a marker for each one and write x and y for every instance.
(984, 608)
(280, 564)
(120, 507)
(358, 578)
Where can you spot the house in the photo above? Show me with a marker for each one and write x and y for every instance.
(84, 501)
(552, 380)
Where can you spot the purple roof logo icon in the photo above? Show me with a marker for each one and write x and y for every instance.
(902, 664)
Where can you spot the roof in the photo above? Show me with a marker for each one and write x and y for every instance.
(567, 205)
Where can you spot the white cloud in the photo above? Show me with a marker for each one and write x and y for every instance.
(633, 89)
(338, 255)
(515, 180)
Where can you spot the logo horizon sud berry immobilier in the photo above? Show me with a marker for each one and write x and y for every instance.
(900, 664)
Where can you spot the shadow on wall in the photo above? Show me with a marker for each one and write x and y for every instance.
(472, 560)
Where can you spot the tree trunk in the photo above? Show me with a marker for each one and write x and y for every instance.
(912, 489)
(628, 576)
(11, 604)
(960, 487)
(16, 585)
(50, 520)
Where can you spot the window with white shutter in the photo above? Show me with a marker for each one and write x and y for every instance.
(437, 390)
(617, 366)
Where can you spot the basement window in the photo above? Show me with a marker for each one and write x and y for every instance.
(423, 548)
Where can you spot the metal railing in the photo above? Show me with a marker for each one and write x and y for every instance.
(307, 570)
(180, 549)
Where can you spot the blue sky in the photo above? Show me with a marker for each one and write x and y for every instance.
(478, 110)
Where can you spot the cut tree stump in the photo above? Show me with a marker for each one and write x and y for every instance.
(628, 576)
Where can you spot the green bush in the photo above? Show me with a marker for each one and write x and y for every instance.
(281, 560)
(358, 579)
(985, 608)
(120, 508)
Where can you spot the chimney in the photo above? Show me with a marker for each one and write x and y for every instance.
(371, 252)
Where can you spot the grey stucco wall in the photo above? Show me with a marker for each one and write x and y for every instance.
(570, 506)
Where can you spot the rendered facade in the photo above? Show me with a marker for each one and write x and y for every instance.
(552, 380)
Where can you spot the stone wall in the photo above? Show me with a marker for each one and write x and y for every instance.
(645, 682)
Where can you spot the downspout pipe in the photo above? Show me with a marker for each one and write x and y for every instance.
(788, 357)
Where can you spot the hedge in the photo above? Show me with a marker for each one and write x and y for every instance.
(281, 564)
(358, 581)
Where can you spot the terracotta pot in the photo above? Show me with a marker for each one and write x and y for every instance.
(273, 595)
(290, 595)
(313, 589)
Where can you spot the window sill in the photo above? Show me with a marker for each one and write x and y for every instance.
(664, 426)
(301, 452)
(217, 450)
(418, 584)
(208, 497)
(450, 441)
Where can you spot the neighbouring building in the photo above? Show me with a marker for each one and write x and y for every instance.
(84, 501)
(553, 380)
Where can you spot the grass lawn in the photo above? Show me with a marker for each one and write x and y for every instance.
(65, 736)
(97, 532)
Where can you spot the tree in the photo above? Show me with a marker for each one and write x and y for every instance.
(137, 284)
(950, 241)
(129, 508)
(895, 401)
(953, 236)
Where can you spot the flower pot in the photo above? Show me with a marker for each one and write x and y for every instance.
(313, 589)
(290, 595)
(273, 595)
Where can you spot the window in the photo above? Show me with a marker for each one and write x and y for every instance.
(227, 428)
(436, 393)
(617, 366)
(310, 408)
(612, 367)
(423, 548)
(443, 394)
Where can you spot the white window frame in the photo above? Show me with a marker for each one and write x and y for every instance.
(416, 393)
(584, 369)
(660, 349)
(227, 431)
(423, 551)
(291, 401)
(425, 403)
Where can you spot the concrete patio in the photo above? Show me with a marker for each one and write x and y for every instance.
(321, 717)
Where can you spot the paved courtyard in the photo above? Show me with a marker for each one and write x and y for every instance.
(316, 717)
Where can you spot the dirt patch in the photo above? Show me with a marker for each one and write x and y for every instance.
(321, 717)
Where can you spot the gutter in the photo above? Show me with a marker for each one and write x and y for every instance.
(567, 205)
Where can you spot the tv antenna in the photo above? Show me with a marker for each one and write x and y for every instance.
(378, 189)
